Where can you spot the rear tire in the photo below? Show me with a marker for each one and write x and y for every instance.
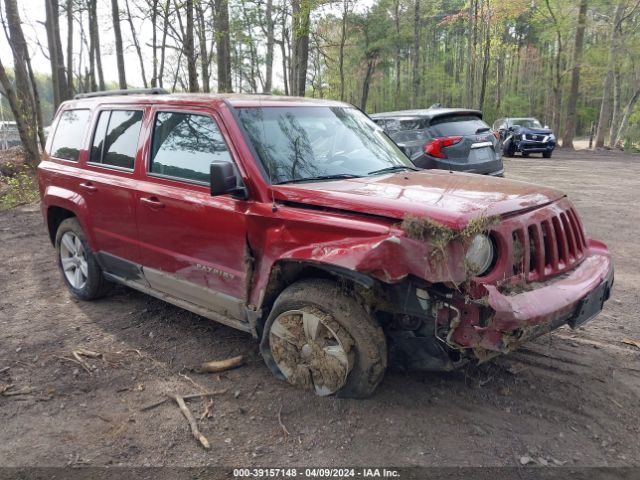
(547, 154)
(78, 265)
(292, 355)
(525, 154)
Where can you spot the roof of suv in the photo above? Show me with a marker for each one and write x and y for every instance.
(235, 99)
(429, 113)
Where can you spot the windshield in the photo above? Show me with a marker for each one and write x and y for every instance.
(526, 122)
(297, 143)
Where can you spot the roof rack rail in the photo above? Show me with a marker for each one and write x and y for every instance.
(132, 91)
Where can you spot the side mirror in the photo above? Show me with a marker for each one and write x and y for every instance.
(224, 180)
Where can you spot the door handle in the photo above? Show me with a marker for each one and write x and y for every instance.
(152, 202)
(89, 186)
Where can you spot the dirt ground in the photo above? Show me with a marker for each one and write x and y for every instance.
(572, 398)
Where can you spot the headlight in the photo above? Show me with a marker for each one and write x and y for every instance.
(479, 257)
(552, 136)
(524, 137)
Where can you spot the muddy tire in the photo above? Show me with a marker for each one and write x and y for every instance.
(80, 270)
(356, 342)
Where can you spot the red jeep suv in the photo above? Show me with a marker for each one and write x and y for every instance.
(300, 222)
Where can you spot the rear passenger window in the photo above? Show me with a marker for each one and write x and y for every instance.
(185, 144)
(115, 141)
(67, 140)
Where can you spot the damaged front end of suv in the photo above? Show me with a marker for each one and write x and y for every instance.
(447, 292)
(542, 273)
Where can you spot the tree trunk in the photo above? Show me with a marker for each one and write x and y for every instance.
(37, 106)
(92, 83)
(115, 14)
(624, 123)
(94, 36)
(223, 46)
(371, 64)
(163, 47)
(56, 57)
(617, 92)
(21, 99)
(485, 63)
(604, 120)
(301, 13)
(415, 69)
(70, 88)
(268, 81)
(202, 40)
(154, 43)
(471, 55)
(254, 65)
(53, 51)
(189, 49)
(343, 40)
(136, 43)
(570, 123)
(286, 64)
(396, 19)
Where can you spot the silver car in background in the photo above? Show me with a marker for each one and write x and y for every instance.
(445, 138)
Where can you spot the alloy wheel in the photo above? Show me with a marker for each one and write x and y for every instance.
(73, 260)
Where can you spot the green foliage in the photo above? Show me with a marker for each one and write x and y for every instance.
(19, 188)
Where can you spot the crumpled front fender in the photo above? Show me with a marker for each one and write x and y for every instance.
(378, 249)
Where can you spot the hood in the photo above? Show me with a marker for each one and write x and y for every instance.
(449, 198)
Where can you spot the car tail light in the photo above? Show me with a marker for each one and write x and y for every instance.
(435, 146)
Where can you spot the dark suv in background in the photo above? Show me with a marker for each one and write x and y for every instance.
(444, 138)
(525, 135)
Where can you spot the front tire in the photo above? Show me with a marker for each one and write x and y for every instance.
(547, 154)
(509, 149)
(79, 267)
(320, 338)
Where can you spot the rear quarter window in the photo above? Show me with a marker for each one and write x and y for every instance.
(456, 125)
(69, 134)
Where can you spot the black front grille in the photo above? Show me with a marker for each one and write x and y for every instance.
(549, 246)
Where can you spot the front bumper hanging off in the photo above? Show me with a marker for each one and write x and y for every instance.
(572, 298)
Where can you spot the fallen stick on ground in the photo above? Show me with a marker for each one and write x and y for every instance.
(192, 421)
(208, 409)
(4, 388)
(2, 370)
(23, 391)
(77, 362)
(284, 428)
(198, 386)
(185, 397)
(86, 353)
(632, 342)
(216, 366)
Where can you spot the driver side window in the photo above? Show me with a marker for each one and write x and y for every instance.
(184, 145)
